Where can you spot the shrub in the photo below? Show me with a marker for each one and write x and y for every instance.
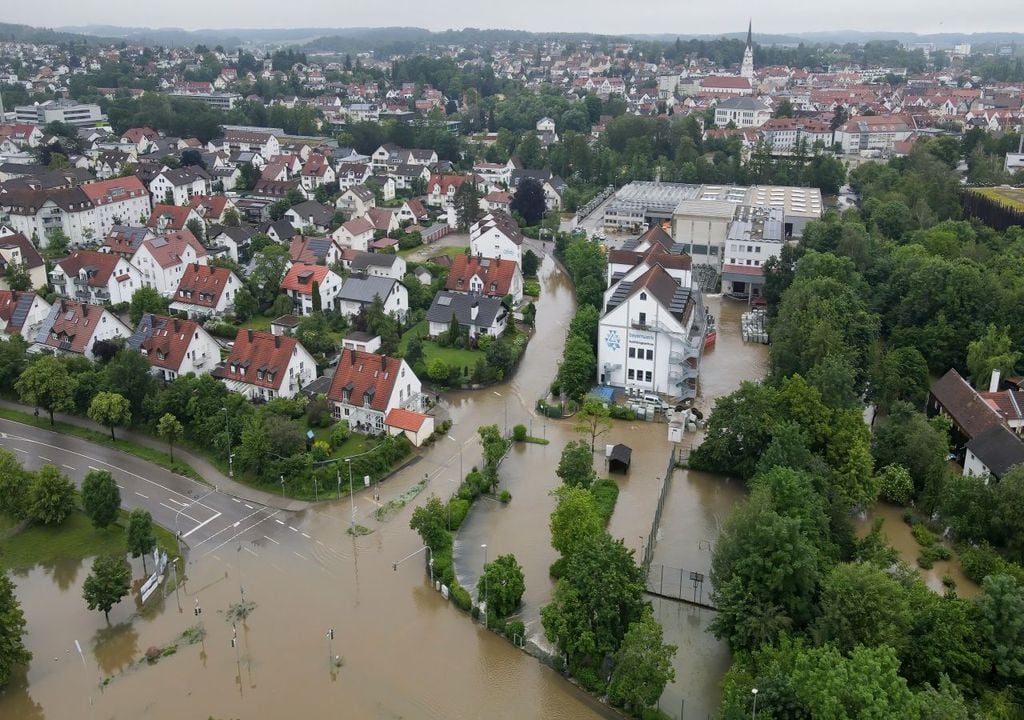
(505, 496)
(531, 288)
(895, 484)
(980, 561)
(513, 628)
(519, 433)
(557, 569)
(340, 433)
(606, 493)
(589, 679)
(475, 612)
(460, 596)
(438, 371)
(932, 554)
(458, 508)
(318, 413)
(618, 412)
(483, 342)
(321, 450)
(923, 535)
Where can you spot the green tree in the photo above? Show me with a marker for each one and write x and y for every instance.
(907, 438)
(57, 245)
(863, 605)
(245, 304)
(46, 383)
(15, 481)
(585, 324)
(101, 498)
(431, 522)
(576, 465)
(1000, 621)
(51, 496)
(574, 519)
(502, 585)
(197, 228)
(268, 270)
(903, 377)
(598, 598)
(414, 350)
(467, 205)
(13, 359)
(528, 200)
(170, 429)
(141, 539)
(643, 665)
(12, 630)
(992, 351)
(864, 684)
(895, 484)
(146, 300)
(107, 584)
(111, 410)
(530, 263)
(130, 375)
(593, 419)
(578, 371)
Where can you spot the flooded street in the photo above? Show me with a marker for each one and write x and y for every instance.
(406, 652)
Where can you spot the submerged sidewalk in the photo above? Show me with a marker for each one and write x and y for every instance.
(203, 467)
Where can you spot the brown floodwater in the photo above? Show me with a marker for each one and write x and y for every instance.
(899, 536)
(406, 652)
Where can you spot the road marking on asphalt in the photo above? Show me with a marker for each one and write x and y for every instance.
(21, 451)
(251, 552)
(248, 506)
(45, 459)
(451, 438)
(176, 511)
(93, 467)
(238, 534)
(271, 539)
(145, 497)
(210, 519)
(236, 500)
(298, 554)
(292, 529)
(279, 522)
(178, 502)
(69, 467)
(305, 536)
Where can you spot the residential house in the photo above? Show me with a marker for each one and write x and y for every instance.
(236, 240)
(162, 260)
(725, 85)
(316, 171)
(874, 133)
(212, 208)
(407, 176)
(355, 201)
(303, 282)
(379, 265)
(22, 313)
(95, 277)
(205, 291)
(416, 426)
(742, 112)
(496, 200)
(359, 292)
(366, 387)
(74, 328)
(307, 250)
(139, 139)
(477, 314)
(482, 276)
(383, 219)
(356, 234)
(179, 185)
(441, 189)
(174, 346)
(125, 240)
(16, 250)
(350, 174)
(310, 214)
(411, 211)
(497, 236)
(264, 142)
(264, 366)
(172, 218)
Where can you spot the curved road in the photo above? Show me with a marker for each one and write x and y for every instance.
(206, 519)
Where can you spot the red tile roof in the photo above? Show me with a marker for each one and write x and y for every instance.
(405, 419)
(9, 302)
(202, 285)
(102, 265)
(259, 358)
(495, 274)
(364, 376)
(177, 216)
(29, 255)
(169, 248)
(301, 276)
(211, 206)
(114, 190)
(963, 403)
(168, 341)
(73, 326)
(725, 81)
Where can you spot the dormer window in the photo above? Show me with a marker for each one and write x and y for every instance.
(643, 296)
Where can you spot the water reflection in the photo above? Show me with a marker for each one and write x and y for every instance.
(64, 572)
(115, 647)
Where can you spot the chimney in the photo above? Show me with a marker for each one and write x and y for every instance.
(177, 324)
(250, 335)
(474, 310)
(383, 363)
(353, 356)
(993, 385)
(195, 266)
(277, 341)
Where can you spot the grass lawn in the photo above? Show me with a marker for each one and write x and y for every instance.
(157, 457)
(431, 350)
(74, 540)
(257, 322)
(1008, 197)
(449, 250)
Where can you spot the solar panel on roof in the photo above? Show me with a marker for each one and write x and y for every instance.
(159, 242)
(444, 300)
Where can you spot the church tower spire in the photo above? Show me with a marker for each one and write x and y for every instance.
(747, 68)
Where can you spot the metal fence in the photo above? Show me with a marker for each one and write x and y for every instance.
(652, 537)
(688, 586)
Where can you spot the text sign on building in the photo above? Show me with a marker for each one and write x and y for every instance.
(638, 337)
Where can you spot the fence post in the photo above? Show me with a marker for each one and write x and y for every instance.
(661, 586)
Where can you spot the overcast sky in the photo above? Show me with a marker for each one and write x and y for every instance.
(601, 16)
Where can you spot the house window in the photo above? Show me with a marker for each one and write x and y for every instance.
(632, 352)
(378, 422)
(643, 296)
(629, 375)
(643, 318)
(650, 354)
(647, 376)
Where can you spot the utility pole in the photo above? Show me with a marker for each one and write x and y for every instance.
(351, 501)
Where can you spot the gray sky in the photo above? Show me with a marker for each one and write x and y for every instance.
(602, 16)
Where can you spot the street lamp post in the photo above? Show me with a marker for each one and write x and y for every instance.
(753, 714)
(486, 608)
(351, 501)
(282, 484)
(227, 431)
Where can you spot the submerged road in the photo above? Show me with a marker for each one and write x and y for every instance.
(205, 518)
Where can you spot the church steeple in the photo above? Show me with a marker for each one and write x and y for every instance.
(747, 68)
